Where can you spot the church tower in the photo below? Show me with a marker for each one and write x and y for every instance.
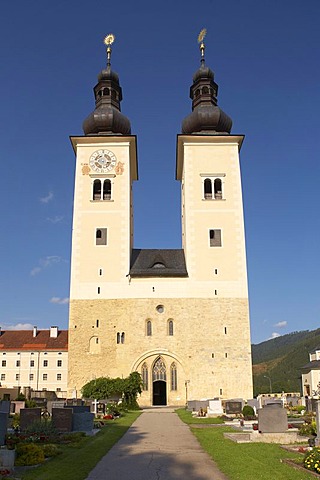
(179, 317)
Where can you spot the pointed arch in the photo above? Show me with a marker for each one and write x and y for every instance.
(148, 328)
(159, 371)
(145, 377)
(173, 376)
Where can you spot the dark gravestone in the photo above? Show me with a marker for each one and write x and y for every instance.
(74, 402)
(28, 416)
(79, 409)
(233, 408)
(272, 419)
(3, 426)
(62, 419)
(54, 404)
(82, 422)
(5, 406)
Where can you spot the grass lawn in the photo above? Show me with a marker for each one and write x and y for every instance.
(187, 417)
(75, 463)
(255, 461)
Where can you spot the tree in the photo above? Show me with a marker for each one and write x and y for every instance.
(103, 388)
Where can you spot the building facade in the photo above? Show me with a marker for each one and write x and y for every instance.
(311, 375)
(179, 317)
(35, 359)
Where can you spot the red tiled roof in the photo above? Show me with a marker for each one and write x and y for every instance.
(24, 340)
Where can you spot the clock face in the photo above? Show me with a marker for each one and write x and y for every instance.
(102, 161)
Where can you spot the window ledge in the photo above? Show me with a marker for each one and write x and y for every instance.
(101, 201)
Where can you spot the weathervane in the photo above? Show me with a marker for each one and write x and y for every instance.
(201, 36)
(108, 40)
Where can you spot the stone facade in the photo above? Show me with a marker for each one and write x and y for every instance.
(209, 344)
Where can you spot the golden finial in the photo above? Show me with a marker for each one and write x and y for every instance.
(108, 40)
(201, 36)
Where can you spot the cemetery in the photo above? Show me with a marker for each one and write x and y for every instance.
(30, 436)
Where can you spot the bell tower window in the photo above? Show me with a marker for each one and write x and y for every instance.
(218, 189)
(212, 186)
(107, 190)
(97, 190)
(207, 188)
(101, 189)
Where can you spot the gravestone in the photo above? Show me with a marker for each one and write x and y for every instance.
(215, 407)
(82, 422)
(233, 407)
(16, 406)
(79, 409)
(254, 403)
(272, 419)
(5, 406)
(28, 416)
(196, 405)
(3, 426)
(54, 404)
(62, 419)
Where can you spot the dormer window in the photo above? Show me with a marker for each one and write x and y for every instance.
(158, 265)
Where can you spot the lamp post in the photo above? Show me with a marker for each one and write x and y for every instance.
(270, 384)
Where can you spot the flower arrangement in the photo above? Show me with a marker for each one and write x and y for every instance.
(312, 460)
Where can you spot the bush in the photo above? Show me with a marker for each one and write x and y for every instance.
(29, 454)
(308, 429)
(247, 411)
(312, 460)
(50, 450)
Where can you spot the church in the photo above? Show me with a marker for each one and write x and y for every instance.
(179, 317)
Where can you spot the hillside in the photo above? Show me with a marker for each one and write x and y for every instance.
(281, 359)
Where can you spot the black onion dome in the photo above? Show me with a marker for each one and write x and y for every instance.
(206, 116)
(107, 117)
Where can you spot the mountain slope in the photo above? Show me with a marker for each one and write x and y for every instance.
(281, 360)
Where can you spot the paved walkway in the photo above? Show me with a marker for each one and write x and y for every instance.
(158, 446)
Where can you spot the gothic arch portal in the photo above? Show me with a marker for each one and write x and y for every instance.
(159, 382)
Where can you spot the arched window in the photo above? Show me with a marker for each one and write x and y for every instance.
(159, 370)
(144, 375)
(107, 190)
(98, 233)
(207, 188)
(170, 327)
(197, 93)
(149, 328)
(94, 345)
(118, 337)
(173, 376)
(96, 190)
(205, 90)
(217, 189)
(122, 337)
(106, 91)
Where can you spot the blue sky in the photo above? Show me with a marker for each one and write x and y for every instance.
(265, 56)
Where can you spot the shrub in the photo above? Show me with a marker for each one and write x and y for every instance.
(50, 450)
(312, 460)
(29, 454)
(308, 429)
(247, 411)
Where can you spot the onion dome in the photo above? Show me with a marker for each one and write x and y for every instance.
(107, 118)
(206, 116)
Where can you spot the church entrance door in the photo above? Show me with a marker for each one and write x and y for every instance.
(159, 381)
(159, 393)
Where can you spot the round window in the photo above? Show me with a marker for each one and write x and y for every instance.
(160, 308)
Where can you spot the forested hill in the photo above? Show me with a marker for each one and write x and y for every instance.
(281, 359)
